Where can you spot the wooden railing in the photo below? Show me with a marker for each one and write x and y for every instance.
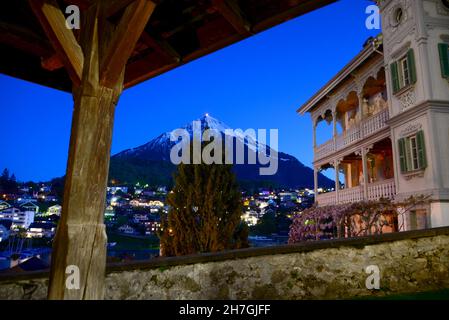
(382, 189)
(358, 132)
(377, 190)
(350, 195)
(326, 199)
(324, 149)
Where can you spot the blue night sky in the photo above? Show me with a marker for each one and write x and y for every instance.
(256, 83)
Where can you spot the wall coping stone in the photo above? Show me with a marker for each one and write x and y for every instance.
(166, 262)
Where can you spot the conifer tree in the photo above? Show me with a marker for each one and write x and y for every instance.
(205, 209)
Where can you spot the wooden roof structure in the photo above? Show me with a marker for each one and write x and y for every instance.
(178, 32)
(120, 43)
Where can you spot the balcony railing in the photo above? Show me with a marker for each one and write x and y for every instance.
(377, 190)
(326, 199)
(350, 195)
(358, 132)
(381, 189)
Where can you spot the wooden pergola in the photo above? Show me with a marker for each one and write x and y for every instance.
(120, 43)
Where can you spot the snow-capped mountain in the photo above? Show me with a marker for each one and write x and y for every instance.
(151, 162)
(159, 148)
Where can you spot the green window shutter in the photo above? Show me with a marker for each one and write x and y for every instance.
(395, 77)
(444, 59)
(411, 65)
(421, 150)
(402, 155)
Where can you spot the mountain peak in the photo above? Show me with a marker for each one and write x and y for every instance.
(151, 161)
(207, 121)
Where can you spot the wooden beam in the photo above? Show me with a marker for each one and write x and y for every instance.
(82, 4)
(233, 15)
(52, 63)
(62, 39)
(114, 6)
(304, 7)
(25, 40)
(125, 37)
(134, 78)
(161, 47)
(214, 47)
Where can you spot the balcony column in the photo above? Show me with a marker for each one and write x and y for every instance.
(337, 180)
(364, 153)
(362, 112)
(334, 120)
(314, 134)
(315, 182)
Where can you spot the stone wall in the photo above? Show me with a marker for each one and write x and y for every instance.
(409, 262)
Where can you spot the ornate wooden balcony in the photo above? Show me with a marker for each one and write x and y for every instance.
(360, 131)
(375, 191)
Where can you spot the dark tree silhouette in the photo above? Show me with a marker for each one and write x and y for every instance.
(205, 209)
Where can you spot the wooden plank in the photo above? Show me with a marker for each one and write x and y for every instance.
(114, 6)
(25, 40)
(62, 39)
(161, 47)
(131, 79)
(134, 79)
(125, 37)
(214, 47)
(298, 10)
(52, 63)
(233, 16)
(82, 4)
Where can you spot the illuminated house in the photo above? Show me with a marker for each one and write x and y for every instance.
(389, 111)
(29, 206)
(41, 230)
(54, 210)
(20, 218)
(4, 205)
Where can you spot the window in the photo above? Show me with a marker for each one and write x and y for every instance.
(403, 72)
(412, 153)
(443, 48)
(414, 163)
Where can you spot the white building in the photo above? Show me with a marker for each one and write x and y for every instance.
(54, 210)
(41, 230)
(29, 206)
(389, 110)
(4, 205)
(19, 218)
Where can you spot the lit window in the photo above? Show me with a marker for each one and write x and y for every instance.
(404, 72)
(414, 153)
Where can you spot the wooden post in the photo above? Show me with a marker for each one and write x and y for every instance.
(337, 180)
(365, 172)
(315, 183)
(81, 237)
(80, 241)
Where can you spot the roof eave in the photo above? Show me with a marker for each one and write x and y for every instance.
(340, 76)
